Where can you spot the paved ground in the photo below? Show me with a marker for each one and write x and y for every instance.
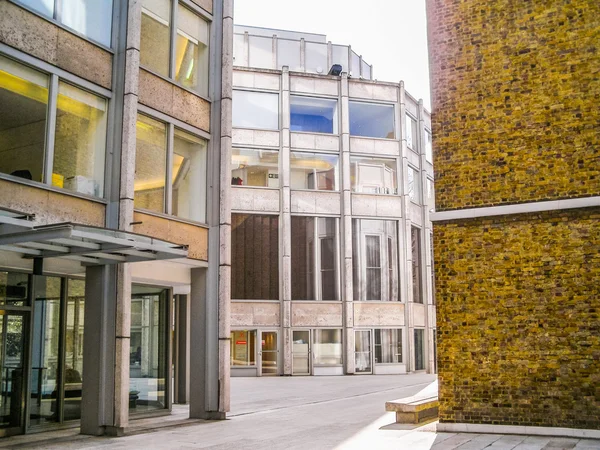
(301, 413)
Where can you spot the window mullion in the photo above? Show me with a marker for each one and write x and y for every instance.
(169, 184)
(50, 129)
(173, 38)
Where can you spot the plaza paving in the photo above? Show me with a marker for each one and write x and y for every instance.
(301, 413)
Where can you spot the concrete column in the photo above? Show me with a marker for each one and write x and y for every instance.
(285, 229)
(99, 339)
(181, 349)
(346, 229)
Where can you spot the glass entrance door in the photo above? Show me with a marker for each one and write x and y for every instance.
(362, 351)
(301, 352)
(12, 364)
(269, 352)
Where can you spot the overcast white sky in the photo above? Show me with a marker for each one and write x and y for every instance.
(390, 34)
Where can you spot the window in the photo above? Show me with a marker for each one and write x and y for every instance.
(373, 176)
(419, 335)
(411, 133)
(318, 171)
(430, 194)
(148, 349)
(69, 156)
(92, 19)
(314, 258)
(375, 260)
(432, 269)
(428, 146)
(327, 347)
(415, 234)
(315, 115)
(250, 167)
(316, 57)
(388, 346)
(371, 120)
(185, 194)
(414, 193)
(288, 54)
(243, 348)
(239, 50)
(255, 257)
(255, 110)
(181, 56)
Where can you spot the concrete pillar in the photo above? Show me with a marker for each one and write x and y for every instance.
(285, 229)
(181, 349)
(99, 339)
(346, 229)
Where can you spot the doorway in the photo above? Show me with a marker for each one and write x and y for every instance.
(269, 353)
(363, 360)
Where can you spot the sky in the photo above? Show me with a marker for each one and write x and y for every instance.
(389, 34)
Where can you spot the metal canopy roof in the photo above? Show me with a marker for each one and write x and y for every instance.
(90, 245)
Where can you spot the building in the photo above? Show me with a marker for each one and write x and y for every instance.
(332, 187)
(516, 232)
(113, 211)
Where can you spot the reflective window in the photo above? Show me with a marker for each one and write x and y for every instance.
(318, 171)
(243, 348)
(414, 191)
(191, 51)
(288, 54)
(372, 120)
(327, 347)
(150, 164)
(155, 36)
(428, 146)
(373, 176)
(92, 19)
(14, 289)
(23, 105)
(80, 141)
(261, 52)
(419, 336)
(415, 238)
(316, 58)
(388, 346)
(430, 194)
(316, 115)
(189, 176)
(251, 167)
(314, 258)
(375, 260)
(411, 133)
(255, 257)
(255, 110)
(148, 349)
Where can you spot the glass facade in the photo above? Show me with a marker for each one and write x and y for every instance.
(243, 348)
(327, 347)
(373, 176)
(419, 346)
(315, 171)
(411, 133)
(252, 167)
(372, 120)
(388, 346)
(315, 115)
(188, 177)
(255, 110)
(415, 238)
(156, 36)
(191, 51)
(413, 182)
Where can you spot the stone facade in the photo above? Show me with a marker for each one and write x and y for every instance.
(517, 294)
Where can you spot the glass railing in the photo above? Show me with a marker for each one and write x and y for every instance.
(299, 55)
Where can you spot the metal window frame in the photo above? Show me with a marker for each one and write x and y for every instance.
(376, 103)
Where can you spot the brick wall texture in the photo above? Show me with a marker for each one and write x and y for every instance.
(515, 95)
(516, 118)
(518, 319)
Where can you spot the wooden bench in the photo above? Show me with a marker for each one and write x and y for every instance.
(415, 409)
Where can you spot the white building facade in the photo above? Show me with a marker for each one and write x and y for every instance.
(332, 187)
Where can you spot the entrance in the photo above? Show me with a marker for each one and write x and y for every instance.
(269, 353)
(362, 352)
(301, 357)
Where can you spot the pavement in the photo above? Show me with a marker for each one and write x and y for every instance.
(301, 413)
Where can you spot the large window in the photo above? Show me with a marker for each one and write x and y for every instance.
(327, 347)
(92, 19)
(255, 110)
(318, 171)
(315, 115)
(148, 349)
(388, 346)
(372, 120)
(373, 176)
(70, 154)
(243, 348)
(315, 258)
(375, 260)
(254, 257)
(252, 167)
(411, 133)
(181, 56)
(419, 336)
(414, 191)
(415, 238)
(169, 179)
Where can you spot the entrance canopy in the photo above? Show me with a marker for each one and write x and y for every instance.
(87, 244)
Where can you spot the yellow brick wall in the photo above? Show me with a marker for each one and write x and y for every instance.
(519, 319)
(515, 97)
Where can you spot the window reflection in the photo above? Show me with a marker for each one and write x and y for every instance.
(372, 120)
(189, 176)
(315, 115)
(250, 167)
(318, 171)
(373, 176)
(255, 110)
(327, 347)
(155, 35)
(243, 348)
(191, 53)
(150, 164)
